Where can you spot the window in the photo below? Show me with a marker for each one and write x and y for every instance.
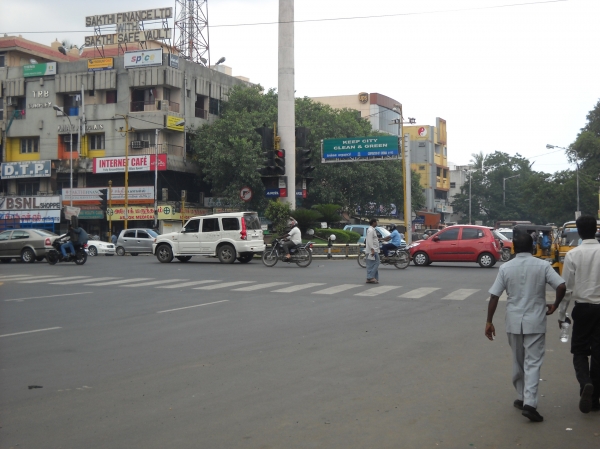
(129, 235)
(28, 188)
(66, 138)
(210, 225)
(19, 235)
(421, 168)
(111, 96)
(439, 171)
(192, 226)
(450, 234)
(167, 94)
(2, 60)
(143, 235)
(252, 221)
(230, 224)
(71, 105)
(452, 185)
(471, 234)
(213, 106)
(96, 141)
(92, 93)
(30, 145)
(5, 235)
(358, 230)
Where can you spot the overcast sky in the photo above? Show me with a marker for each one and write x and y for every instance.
(507, 75)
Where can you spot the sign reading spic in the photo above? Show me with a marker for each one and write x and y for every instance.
(143, 58)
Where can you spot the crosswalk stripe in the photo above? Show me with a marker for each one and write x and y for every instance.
(336, 289)
(146, 284)
(9, 277)
(377, 290)
(418, 292)
(37, 281)
(461, 293)
(223, 285)
(295, 288)
(80, 282)
(189, 284)
(122, 281)
(259, 286)
(26, 278)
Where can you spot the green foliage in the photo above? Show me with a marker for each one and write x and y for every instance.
(340, 235)
(305, 217)
(329, 212)
(279, 213)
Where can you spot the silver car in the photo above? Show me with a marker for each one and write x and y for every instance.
(135, 241)
(28, 245)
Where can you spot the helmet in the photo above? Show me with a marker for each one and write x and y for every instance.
(392, 228)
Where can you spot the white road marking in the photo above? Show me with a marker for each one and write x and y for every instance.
(145, 284)
(191, 307)
(223, 285)
(50, 296)
(81, 282)
(188, 284)
(461, 293)
(259, 286)
(336, 289)
(9, 277)
(25, 278)
(122, 281)
(37, 281)
(30, 332)
(418, 292)
(295, 288)
(378, 290)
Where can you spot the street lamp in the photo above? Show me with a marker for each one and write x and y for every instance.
(550, 147)
(59, 109)
(504, 188)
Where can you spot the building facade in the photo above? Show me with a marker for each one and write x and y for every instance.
(70, 120)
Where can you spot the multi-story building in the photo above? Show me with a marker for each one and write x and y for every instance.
(72, 119)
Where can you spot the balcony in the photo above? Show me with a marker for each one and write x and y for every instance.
(173, 107)
(201, 113)
(163, 148)
(143, 106)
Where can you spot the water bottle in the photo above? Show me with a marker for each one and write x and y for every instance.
(564, 331)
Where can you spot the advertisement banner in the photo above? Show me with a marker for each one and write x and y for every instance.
(143, 162)
(26, 169)
(134, 213)
(143, 58)
(91, 195)
(172, 121)
(45, 68)
(30, 208)
(98, 64)
(37, 216)
(369, 148)
(168, 213)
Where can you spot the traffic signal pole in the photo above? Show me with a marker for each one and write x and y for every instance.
(286, 115)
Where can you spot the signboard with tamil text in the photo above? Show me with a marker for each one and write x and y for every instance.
(30, 208)
(369, 148)
(91, 195)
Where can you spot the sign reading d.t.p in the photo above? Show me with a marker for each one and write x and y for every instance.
(26, 169)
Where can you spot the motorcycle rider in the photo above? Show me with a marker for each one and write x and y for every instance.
(76, 236)
(395, 241)
(293, 238)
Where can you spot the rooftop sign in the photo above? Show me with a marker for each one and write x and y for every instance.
(130, 16)
(45, 68)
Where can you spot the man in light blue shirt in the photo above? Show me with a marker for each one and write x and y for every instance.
(395, 241)
(524, 278)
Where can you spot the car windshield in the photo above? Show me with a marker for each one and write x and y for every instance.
(506, 233)
(43, 232)
(384, 232)
(500, 235)
(152, 233)
(252, 221)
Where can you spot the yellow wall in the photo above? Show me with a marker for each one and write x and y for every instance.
(423, 172)
(13, 146)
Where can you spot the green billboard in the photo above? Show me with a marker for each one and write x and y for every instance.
(46, 68)
(369, 148)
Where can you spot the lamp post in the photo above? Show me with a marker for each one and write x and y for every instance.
(126, 118)
(550, 147)
(504, 188)
(59, 109)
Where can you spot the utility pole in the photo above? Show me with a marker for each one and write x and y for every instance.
(286, 115)
(110, 229)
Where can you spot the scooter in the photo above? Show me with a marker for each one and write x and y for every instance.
(301, 255)
(55, 254)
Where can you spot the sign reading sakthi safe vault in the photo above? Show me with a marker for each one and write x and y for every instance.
(369, 148)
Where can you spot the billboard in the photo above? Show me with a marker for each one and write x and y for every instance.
(98, 64)
(172, 121)
(43, 69)
(369, 148)
(91, 195)
(36, 209)
(143, 58)
(144, 162)
(26, 169)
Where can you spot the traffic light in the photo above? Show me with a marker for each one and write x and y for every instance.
(279, 160)
(267, 144)
(303, 159)
(266, 134)
(301, 136)
(103, 199)
(268, 168)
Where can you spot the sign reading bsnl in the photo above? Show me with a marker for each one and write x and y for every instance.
(26, 169)
(143, 58)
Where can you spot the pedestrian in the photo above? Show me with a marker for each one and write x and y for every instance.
(113, 239)
(372, 253)
(581, 272)
(524, 278)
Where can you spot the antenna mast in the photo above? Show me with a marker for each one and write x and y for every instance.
(191, 30)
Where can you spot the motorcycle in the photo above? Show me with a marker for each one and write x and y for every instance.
(399, 257)
(55, 254)
(301, 255)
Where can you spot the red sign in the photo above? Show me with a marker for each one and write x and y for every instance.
(143, 162)
(283, 193)
(246, 194)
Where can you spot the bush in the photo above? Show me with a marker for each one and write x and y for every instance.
(329, 212)
(279, 213)
(340, 235)
(305, 217)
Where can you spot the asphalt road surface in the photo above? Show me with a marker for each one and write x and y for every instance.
(131, 353)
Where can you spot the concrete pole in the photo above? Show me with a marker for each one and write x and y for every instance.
(286, 115)
(408, 187)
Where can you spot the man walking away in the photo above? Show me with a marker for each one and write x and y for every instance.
(372, 253)
(582, 275)
(524, 278)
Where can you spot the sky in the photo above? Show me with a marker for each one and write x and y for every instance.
(506, 75)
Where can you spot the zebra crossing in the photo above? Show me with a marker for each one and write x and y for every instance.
(312, 288)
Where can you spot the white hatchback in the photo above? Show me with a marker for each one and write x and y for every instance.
(229, 236)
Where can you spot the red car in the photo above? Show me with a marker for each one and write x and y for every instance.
(460, 243)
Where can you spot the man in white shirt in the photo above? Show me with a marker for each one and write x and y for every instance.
(294, 238)
(372, 253)
(581, 272)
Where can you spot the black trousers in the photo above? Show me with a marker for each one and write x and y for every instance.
(585, 345)
(288, 245)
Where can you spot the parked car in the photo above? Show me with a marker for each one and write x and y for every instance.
(229, 236)
(362, 231)
(506, 232)
(97, 247)
(135, 241)
(28, 245)
(460, 243)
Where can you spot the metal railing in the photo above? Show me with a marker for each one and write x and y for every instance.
(141, 106)
(173, 107)
(201, 113)
(163, 148)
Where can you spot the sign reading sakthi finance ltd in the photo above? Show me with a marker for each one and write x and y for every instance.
(143, 162)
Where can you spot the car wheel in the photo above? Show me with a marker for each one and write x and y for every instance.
(486, 260)
(226, 254)
(421, 259)
(505, 255)
(184, 258)
(92, 250)
(27, 255)
(5, 260)
(164, 254)
(120, 251)
(245, 258)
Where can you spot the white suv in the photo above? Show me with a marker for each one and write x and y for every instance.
(235, 235)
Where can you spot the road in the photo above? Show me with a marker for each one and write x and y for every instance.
(133, 353)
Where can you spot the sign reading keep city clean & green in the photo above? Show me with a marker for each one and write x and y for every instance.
(369, 148)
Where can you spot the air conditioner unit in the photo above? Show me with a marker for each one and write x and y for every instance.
(137, 144)
(9, 101)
